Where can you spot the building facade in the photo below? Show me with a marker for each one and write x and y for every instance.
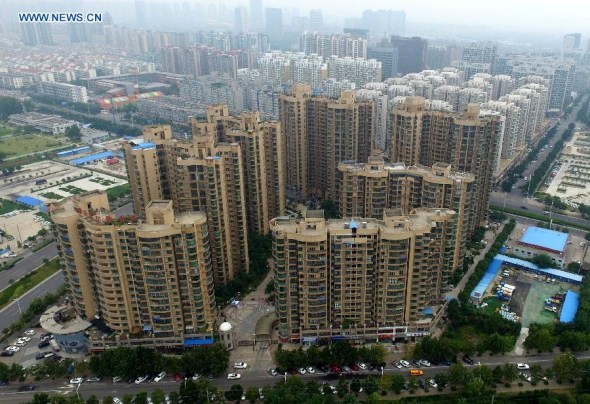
(152, 276)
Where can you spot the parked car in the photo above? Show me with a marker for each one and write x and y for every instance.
(404, 363)
(417, 363)
(117, 379)
(346, 369)
(467, 360)
(159, 377)
(76, 380)
(362, 366)
(234, 376)
(433, 383)
(93, 379)
(13, 348)
(397, 364)
(141, 379)
(425, 363)
(522, 366)
(310, 370)
(240, 365)
(7, 353)
(30, 332)
(27, 387)
(260, 393)
(301, 371)
(272, 372)
(43, 344)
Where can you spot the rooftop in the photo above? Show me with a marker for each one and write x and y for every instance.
(545, 238)
(62, 320)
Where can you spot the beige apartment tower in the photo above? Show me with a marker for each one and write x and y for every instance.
(359, 271)
(152, 276)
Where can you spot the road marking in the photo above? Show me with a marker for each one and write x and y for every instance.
(30, 290)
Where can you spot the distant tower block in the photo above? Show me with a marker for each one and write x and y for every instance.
(225, 332)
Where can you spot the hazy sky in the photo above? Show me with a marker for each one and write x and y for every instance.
(539, 15)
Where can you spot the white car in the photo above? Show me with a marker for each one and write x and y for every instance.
(240, 365)
(117, 400)
(363, 366)
(404, 363)
(397, 365)
(26, 339)
(76, 380)
(522, 366)
(310, 370)
(425, 363)
(526, 377)
(234, 376)
(30, 332)
(141, 379)
(196, 377)
(159, 377)
(20, 343)
(433, 383)
(301, 371)
(260, 393)
(13, 348)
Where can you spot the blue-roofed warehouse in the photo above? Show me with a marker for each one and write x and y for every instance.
(32, 202)
(92, 158)
(485, 282)
(537, 240)
(73, 152)
(570, 307)
(550, 272)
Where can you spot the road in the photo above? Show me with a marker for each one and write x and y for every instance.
(256, 378)
(31, 261)
(517, 198)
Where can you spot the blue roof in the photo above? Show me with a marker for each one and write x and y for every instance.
(198, 341)
(427, 311)
(487, 279)
(92, 157)
(144, 145)
(570, 307)
(4, 251)
(545, 238)
(554, 273)
(73, 151)
(29, 200)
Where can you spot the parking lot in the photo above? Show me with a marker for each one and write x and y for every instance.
(27, 353)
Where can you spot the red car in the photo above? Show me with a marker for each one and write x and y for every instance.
(177, 377)
(354, 367)
(335, 368)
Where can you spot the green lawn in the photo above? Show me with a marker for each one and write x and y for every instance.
(118, 192)
(72, 189)
(25, 144)
(493, 304)
(27, 282)
(102, 181)
(8, 206)
(5, 130)
(51, 195)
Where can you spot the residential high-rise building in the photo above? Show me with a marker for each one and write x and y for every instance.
(333, 45)
(468, 142)
(37, 34)
(388, 56)
(478, 57)
(359, 271)
(151, 276)
(205, 175)
(274, 23)
(358, 71)
(320, 133)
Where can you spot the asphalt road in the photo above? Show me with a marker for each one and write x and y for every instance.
(517, 198)
(256, 378)
(31, 261)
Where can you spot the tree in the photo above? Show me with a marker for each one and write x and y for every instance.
(397, 383)
(40, 398)
(141, 398)
(457, 374)
(158, 396)
(499, 344)
(474, 387)
(74, 133)
(109, 400)
(540, 337)
(173, 396)
(9, 106)
(252, 394)
(565, 366)
(16, 372)
(371, 385)
(330, 210)
(235, 392)
(543, 261)
(497, 374)
(342, 387)
(574, 340)
(510, 373)
(92, 400)
(441, 379)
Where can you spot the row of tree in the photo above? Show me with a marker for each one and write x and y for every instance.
(340, 352)
(9, 106)
(128, 362)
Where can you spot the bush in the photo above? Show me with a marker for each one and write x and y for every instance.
(520, 384)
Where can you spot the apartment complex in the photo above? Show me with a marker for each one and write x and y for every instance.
(320, 133)
(64, 91)
(152, 276)
(369, 190)
(360, 271)
(232, 170)
(468, 142)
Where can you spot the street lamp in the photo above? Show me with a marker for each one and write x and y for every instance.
(18, 305)
(254, 345)
(285, 377)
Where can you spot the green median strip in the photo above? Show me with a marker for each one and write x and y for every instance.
(539, 217)
(28, 282)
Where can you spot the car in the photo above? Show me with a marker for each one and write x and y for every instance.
(335, 368)
(117, 379)
(397, 365)
(117, 400)
(467, 360)
(43, 344)
(177, 377)
(404, 363)
(522, 366)
(372, 366)
(26, 339)
(27, 387)
(240, 365)
(301, 371)
(7, 353)
(40, 356)
(272, 372)
(195, 377)
(425, 363)
(3, 383)
(76, 380)
(159, 377)
(526, 377)
(13, 348)
(234, 376)
(433, 383)
(310, 370)
(323, 368)
(141, 379)
(30, 332)
(46, 336)
(417, 363)
(93, 379)
(260, 393)
(346, 369)
(363, 366)
(354, 367)
(20, 343)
